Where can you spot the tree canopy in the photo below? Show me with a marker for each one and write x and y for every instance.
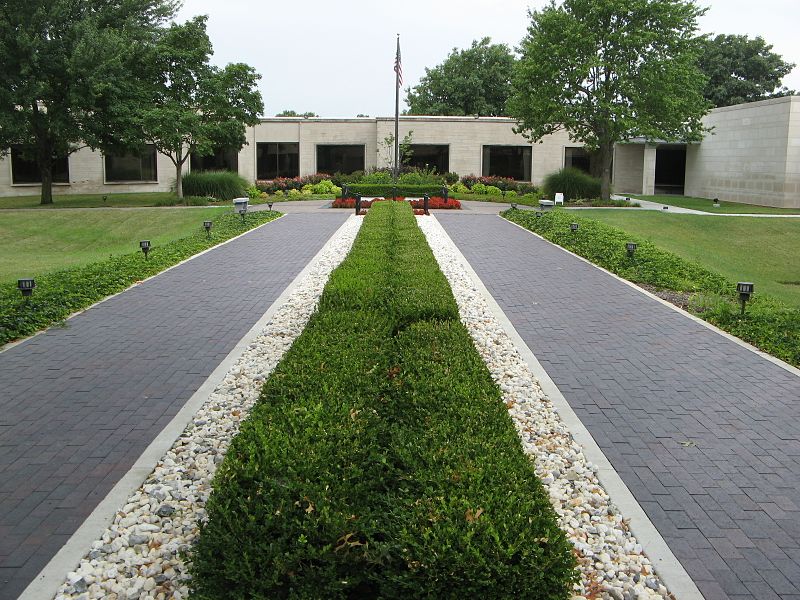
(741, 69)
(610, 71)
(196, 107)
(294, 113)
(474, 81)
(71, 75)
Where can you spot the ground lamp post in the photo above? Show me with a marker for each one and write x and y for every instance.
(425, 200)
(745, 289)
(513, 206)
(444, 193)
(345, 191)
(716, 202)
(207, 226)
(631, 248)
(26, 287)
(145, 246)
(538, 214)
(573, 227)
(269, 205)
(358, 204)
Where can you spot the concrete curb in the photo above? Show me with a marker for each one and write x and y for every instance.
(664, 561)
(50, 578)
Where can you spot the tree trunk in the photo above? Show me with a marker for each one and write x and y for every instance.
(606, 155)
(45, 163)
(179, 180)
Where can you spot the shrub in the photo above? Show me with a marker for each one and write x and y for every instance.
(469, 180)
(379, 176)
(294, 194)
(341, 179)
(222, 185)
(492, 190)
(419, 176)
(478, 188)
(573, 183)
(460, 188)
(386, 190)
(450, 178)
(380, 461)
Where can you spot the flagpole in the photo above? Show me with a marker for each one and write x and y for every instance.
(397, 113)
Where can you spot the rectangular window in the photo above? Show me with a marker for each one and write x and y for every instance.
(340, 159)
(507, 161)
(220, 160)
(132, 167)
(24, 170)
(577, 158)
(430, 156)
(277, 159)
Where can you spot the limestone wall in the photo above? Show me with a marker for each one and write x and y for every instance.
(628, 168)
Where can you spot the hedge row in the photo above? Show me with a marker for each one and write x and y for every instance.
(380, 461)
(387, 191)
(436, 202)
(769, 324)
(222, 185)
(61, 293)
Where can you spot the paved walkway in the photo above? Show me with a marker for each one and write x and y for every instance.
(79, 404)
(704, 432)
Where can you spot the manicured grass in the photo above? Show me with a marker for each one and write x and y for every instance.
(764, 251)
(59, 293)
(533, 200)
(133, 200)
(35, 242)
(707, 205)
(380, 461)
(770, 324)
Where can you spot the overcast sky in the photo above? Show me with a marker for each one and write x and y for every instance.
(335, 58)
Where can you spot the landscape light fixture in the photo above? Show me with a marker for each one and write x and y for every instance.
(26, 287)
(631, 248)
(425, 200)
(538, 214)
(243, 212)
(513, 206)
(665, 207)
(716, 202)
(269, 205)
(745, 289)
(444, 193)
(573, 226)
(105, 199)
(358, 204)
(207, 225)
(145, 246)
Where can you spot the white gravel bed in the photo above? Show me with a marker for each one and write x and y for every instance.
(138, 556)
(611, 562)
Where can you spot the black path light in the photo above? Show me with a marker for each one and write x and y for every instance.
(538, 214)
(269, 205)
(716, 202)
(26, 287)
(145, 246)
(573, 226)
(444, 193)
(745, 289)
(243, 212)
(358, 204)
(207, 226)
(631, 248)
(425, 200)
(665, 207)
(514, 206)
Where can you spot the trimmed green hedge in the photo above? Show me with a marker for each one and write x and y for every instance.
(768, 324)
(573, 183)
(222, 185)
(61, 293)
(380, 460)
(385, 191)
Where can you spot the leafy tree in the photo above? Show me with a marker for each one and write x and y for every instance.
(610, 71)
(386, 149)
(475, 81)
(195, 106)
(740, 69)
(292, 113)
(71, 75)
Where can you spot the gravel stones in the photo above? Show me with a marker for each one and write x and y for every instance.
(139, 556)
(611, 561)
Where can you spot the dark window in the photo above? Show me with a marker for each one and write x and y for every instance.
(340, 159)
(132, 167)
(220, 160)
(670, 169)
(577, 158)
(281, 159)
(436, 156)
(507, 161)
(24, 170)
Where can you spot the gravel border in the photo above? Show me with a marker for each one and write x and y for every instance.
(611, 561)
(139, 554)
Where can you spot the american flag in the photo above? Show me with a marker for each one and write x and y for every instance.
(398, 67)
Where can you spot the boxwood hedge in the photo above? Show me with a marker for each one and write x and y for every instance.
(380, 461)
(386, 191)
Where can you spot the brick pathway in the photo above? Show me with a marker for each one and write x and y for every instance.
(78, 405)
(705, 433)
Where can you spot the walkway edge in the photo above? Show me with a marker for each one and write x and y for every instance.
(15, 343)
(663, 560)
(776, 361)
(50, 578)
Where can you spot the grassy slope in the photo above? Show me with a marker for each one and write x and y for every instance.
(706, 205)
(764, 251)
(32, 243)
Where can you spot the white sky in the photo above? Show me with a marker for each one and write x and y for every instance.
(335, 57)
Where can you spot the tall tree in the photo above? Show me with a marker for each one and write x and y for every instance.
(294, 113)
(71, 75)
(195, 106)
(610, 71)
(474, 81)
(740, 69)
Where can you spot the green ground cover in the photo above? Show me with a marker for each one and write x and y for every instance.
(764, 251)
(707, 205)
(770, 323)
(61, 292)
(33, 243)
(380, 461)
(132, 200)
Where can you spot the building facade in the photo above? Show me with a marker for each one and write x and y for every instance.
(752, 155)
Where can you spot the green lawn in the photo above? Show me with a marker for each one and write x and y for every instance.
(35, 242)
(764, 251)
(133, 200)
(706, 205)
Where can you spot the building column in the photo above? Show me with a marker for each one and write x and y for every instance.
(649, 170)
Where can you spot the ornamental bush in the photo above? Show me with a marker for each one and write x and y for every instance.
(573, 183)
(221, 185)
